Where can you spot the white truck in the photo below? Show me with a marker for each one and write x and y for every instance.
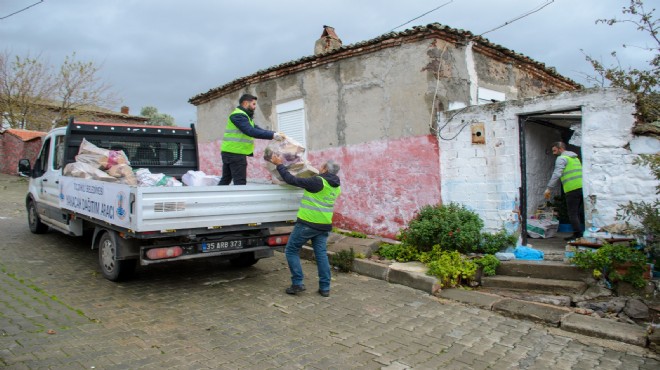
(149, 225)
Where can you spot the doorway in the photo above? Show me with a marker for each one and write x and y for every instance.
(537, 133)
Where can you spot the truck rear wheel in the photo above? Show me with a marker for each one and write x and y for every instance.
(36, 226)
(112, 268)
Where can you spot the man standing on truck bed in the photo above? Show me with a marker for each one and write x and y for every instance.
(314, 222)
(238, 140)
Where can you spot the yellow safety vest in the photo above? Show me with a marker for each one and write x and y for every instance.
(234, 140)
(319, 207)
(571, 177)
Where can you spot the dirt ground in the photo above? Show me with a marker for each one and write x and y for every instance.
(14, 188)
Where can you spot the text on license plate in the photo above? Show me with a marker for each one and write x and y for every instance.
(218, 246)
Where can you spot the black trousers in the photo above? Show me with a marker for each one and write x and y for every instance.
(574, 205)
(234, 167)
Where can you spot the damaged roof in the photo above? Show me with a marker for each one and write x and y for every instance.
(433, 30)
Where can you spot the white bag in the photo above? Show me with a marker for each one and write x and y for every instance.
(199, 178)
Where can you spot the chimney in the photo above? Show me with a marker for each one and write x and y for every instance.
(328, 41)
(124, 109)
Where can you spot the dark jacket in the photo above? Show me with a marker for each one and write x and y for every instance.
(311, 184)
(243, 124)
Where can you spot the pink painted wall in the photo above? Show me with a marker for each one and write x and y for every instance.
(383, 182)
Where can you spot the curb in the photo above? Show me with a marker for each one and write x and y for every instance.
(550, 315)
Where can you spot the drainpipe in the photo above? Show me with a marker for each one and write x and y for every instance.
(473, 80)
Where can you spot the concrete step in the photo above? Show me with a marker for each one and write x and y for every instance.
(542, 270)
(548, 286)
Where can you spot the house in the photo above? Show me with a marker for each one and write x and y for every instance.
(391, 111)
(45, 114)
(16, 144)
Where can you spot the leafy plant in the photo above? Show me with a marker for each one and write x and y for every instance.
(451, 268)
(488, 263)
(493, 243)
(352, 234)
(343, 260)
(643, 83)
(452, 226)
(398, 252)
(646, 214)
(607, 259)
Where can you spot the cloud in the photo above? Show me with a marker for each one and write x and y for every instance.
(162, 52)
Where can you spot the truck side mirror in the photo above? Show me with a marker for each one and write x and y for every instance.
(24, 168)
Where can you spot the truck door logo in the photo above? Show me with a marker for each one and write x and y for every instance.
(121, 211)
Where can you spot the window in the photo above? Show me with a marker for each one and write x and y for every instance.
(291, 121)
(487, 96)
(59, 152)
(41, 164)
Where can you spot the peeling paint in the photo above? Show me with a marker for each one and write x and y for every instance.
(383, 182)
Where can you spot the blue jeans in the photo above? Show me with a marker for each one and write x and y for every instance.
(300, 235)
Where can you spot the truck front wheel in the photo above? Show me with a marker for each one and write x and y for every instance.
(36, 226)
(112, 268)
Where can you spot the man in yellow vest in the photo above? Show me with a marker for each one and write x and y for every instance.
(568, 169)
(238, 141)
(314, 222)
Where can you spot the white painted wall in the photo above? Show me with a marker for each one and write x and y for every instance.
(486, 177)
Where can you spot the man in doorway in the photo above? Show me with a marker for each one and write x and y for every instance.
(314, 222)
(568, 170)
(238, 141)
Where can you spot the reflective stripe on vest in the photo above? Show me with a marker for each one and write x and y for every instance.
(571, 177)
(234, 140)
(319, 207)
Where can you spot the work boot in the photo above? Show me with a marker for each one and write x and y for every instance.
(295, 289)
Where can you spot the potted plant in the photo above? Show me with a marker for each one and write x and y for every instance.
(615, 262)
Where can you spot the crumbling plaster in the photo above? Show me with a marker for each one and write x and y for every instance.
(368, 107)
(487, 181)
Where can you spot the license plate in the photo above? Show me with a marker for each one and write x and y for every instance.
(221, 246)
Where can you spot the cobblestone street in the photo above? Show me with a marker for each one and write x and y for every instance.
(59, 312)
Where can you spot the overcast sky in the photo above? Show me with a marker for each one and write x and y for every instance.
(163, 52)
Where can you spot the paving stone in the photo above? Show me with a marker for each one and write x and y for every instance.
(206, 314)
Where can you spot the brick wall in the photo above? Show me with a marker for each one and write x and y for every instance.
(13, 148)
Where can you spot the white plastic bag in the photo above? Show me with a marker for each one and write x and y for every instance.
(199, 178)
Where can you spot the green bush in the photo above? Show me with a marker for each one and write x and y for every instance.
(452, 226)
(398, 252)
(343, 260)
(451, 268)
(605, 260)
(488, 263)
(493, 243)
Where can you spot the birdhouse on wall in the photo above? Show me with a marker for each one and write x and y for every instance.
(478, 133)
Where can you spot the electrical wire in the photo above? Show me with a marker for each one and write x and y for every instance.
(519, 17)
(416, 18)
(22, 10)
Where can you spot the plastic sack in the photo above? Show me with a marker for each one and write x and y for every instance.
(146, 178)
(86, 171)
(99, 157)
(124, 173)
(526, 253)
(199, 178)
(504, 256)
(545, 228)
(291, 153)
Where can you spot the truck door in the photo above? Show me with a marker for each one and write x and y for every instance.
(47, 170)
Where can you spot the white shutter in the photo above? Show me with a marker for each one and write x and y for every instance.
(291, 121)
